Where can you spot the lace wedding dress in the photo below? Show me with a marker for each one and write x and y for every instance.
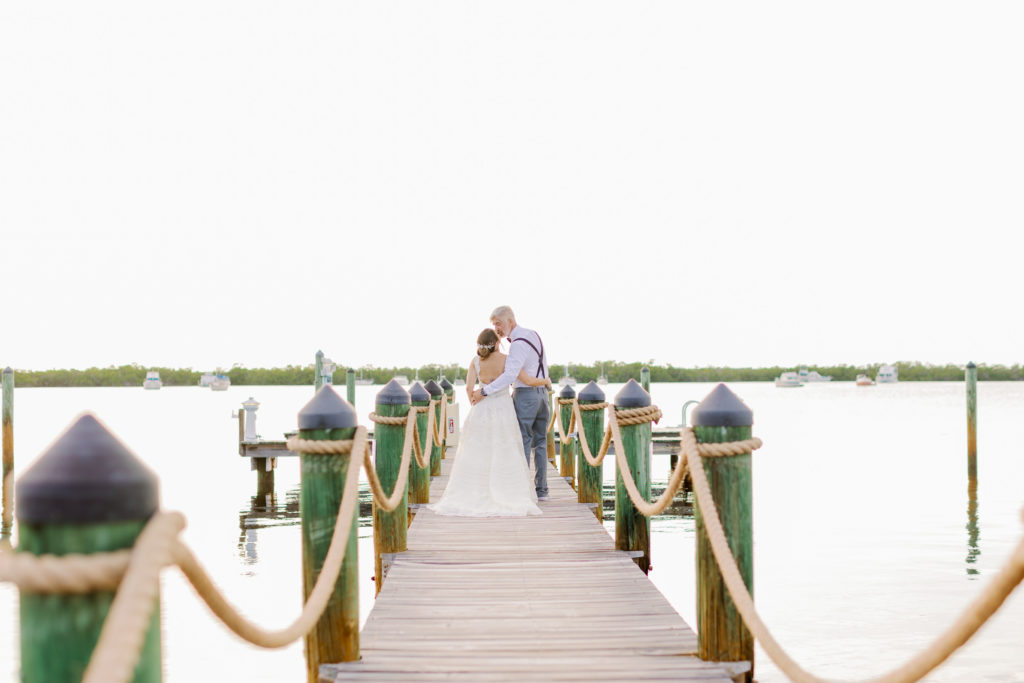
(490, 477)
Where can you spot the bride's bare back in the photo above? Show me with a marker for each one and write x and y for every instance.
(491, 368)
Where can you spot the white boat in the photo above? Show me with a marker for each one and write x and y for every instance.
(788, 379)
(402, 379)
(152, 380)
(813, 376)
(567, 379)
(864, 381)
(363, 381)
(220, 382)
(887, 374)
(459, 381)
(602, 379)
(207, 379)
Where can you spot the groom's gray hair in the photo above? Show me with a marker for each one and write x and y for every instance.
(502, 312)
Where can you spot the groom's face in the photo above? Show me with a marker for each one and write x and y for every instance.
(501, 327)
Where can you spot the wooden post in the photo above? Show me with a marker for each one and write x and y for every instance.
(449, 395)
(721, 634)
(335, 638)
(318, 371)
(436, 394)
(645, 379)
(389, 528)
(633, 528)
(419, 477)
(591, 478)
(87, 494)
(7, 480)
(350, 386)
(971, 379)
(551, 432)
(567, 457)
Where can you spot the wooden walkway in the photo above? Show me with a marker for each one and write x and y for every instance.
(543, 598)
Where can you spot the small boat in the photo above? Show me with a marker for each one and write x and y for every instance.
(864, 381)
(887, 374)
(363, 381)
(152, 380)
(207, 379)
(602, 379)
(220, 382)
(813, 376)
(788, 379)
(402, 379)
(567, 379)
(459, 381)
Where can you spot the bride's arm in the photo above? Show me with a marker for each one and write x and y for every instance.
(534, 381)
(470, 379)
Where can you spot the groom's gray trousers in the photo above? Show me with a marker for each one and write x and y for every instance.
(532, 410)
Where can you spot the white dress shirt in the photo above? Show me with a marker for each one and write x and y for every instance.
(520, 357)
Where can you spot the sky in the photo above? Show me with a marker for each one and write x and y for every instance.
(203, 184)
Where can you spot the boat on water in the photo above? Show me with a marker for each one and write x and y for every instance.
(887, 374)
(788, 379)
(363, 381)
(812, 376)
(864, 381)
(602, 379)
(459, 381)
(152, 380)
(402, 379)
(207, 379)
(567, 379)
(221, 382)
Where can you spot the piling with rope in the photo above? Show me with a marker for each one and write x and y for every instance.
(551, 431)
(591, 430)
(390, 528)
(7, 478)
(449, 395)
(971, 380)
(419, 477)
(632, 527)
(437, 397)
(722, 635)
(87, 494)
(567, 450)
(335, 638)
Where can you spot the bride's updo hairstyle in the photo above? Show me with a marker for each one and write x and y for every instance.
(486, 343)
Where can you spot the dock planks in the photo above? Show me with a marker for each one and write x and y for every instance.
(543, 598)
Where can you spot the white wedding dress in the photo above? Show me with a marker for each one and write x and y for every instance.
(490, 477)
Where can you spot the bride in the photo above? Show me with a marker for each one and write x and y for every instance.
(490, 477)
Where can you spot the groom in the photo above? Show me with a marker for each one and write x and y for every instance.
(526, 352)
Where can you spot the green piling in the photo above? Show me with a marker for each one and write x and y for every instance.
(589, 488)
(722, 636)
(551, 432)
(567, 453)
(645, 379)
(335, 638)
(350, 385)
(971, 380)
(449, 395)
(436, 394)
(389, 528)
(86, 494)
(7, 480)
(419, 477)
(632, 527)
(318, 371)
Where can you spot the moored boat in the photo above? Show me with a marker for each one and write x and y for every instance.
(887, 374)
(788, 379)
(221, 382)
(152, 380)
(864, 381)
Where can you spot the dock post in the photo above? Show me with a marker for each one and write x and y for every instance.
(645, 379)
(7, 482)
(436, 394)
(551, 432)
(591, 478)
(633, 528)
(350, 385)
(721, 634)
(449, 395)
(335, 638)
(971, 379)
(419, 477)
(87, 494)
(389, 528)
(318, 371)
(567, 454)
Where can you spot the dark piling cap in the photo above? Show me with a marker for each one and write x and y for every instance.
(446, 385)
(393, 395)
(86, 477)
(327, 410)
(722, 408)
(433, 388)
(632, 396)
(567, 392)
(418, 394)
(319, 354)
(970, 366)
(592, 392)
(8, 371)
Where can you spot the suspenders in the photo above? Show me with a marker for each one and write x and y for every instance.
(540, 354)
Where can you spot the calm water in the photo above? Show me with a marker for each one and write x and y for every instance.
(863, 546)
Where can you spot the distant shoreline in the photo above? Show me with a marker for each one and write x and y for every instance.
(617, 372)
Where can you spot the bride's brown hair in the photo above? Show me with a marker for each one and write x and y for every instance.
(486, 343)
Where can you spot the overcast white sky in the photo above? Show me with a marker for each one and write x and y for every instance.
(734, 183)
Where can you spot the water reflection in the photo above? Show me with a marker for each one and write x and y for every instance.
(973, 550)
(267, 509)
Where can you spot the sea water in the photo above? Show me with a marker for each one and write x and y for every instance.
(864, 548)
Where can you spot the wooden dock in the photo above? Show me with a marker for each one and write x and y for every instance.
(543, 598)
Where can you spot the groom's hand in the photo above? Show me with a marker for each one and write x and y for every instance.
(477, 396)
